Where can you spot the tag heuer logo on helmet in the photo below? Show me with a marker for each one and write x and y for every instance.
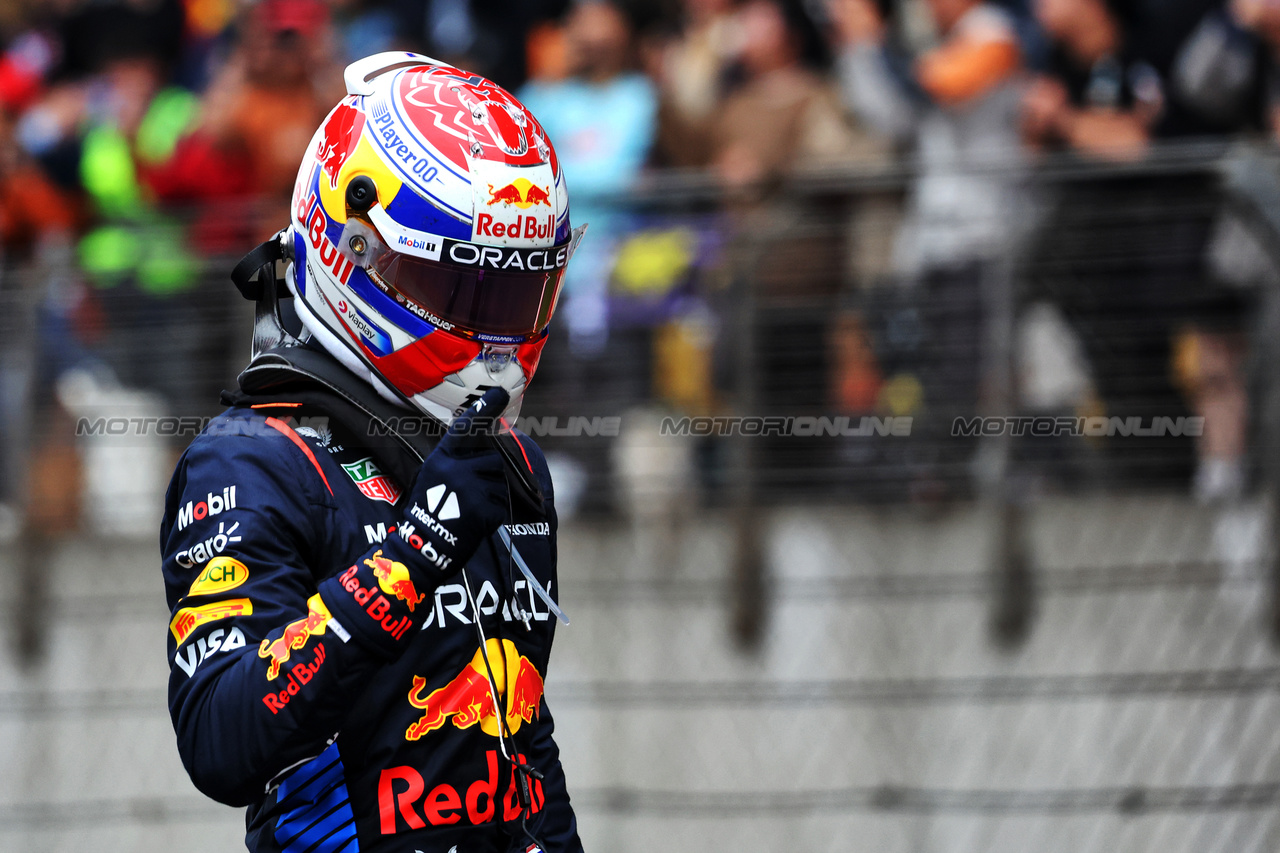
(375, 485)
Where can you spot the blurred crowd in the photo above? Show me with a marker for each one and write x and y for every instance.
(141, 138)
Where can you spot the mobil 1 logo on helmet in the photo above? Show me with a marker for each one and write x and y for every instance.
(213, 504)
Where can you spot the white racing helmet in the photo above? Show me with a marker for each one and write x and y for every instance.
(430, 233)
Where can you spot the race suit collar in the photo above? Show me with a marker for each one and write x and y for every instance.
(397, 437)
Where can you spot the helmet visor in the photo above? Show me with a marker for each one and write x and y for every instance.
(476, 300)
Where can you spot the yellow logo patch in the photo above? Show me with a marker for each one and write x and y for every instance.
(220, 575)
(187, 619)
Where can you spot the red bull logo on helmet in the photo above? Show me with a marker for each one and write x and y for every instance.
(394, 579)
(520, 192)
(524, 227)
(340, 135)
(295, 636)
(468, 699)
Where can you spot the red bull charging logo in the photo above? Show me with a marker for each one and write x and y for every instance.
(521, 193)
(295, 636)
(467, 697)
(341, 133)
(394, 579)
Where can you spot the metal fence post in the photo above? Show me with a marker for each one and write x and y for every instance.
(747, 573)
(1253, 189)
(1013, 593)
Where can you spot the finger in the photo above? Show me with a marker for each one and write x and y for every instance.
(478, 422)
(487, 409)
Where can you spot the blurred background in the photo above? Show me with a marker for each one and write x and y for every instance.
(857, 617)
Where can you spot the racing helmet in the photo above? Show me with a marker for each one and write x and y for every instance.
(429, 234)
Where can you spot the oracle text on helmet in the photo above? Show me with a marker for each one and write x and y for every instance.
(498, 258)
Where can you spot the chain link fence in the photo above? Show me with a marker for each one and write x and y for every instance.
(863, 550)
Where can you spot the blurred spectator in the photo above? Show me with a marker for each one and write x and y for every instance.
(33, 210)
(364, 27)
(692, 70)
(783, 116)
(602, 122)
(131, 122)
(1125, 256)
(23, 67)
(956, 106)
(1100, 96)
(1117, 78)
(37, 221)
(601, 118)
(274, 91)
(487, 37)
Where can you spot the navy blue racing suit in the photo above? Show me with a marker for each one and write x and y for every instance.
(277, 706)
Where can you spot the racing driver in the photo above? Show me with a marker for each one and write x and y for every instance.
(359, 553)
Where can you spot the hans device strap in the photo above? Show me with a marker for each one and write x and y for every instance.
(283, 364)
(246, 274)
(255, 277)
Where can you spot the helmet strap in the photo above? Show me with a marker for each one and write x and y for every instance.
(256, 279)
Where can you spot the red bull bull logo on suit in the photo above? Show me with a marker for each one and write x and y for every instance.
(295, 636)
(394, 579)
(467, 697)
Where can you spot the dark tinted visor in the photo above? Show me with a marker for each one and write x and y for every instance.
(508, 303)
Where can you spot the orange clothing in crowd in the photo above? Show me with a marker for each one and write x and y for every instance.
(968, 65)
(31, 207)
(274, 126)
